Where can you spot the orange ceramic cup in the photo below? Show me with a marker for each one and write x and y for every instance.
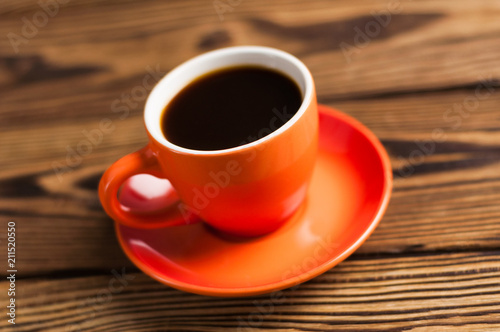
(246, 190)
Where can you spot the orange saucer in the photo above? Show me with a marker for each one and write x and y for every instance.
(349, 192)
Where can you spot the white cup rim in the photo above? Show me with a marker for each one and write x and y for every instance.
(259, 55)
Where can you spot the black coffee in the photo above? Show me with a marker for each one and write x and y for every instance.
(230, 107)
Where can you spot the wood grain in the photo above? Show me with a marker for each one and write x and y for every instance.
(431, 265)
(438, 291)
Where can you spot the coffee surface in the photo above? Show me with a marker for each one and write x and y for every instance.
(230, 107)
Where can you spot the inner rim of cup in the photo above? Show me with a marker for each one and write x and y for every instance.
(172, 83)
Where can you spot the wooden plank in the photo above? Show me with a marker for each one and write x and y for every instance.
(435, 291)
(445, 44)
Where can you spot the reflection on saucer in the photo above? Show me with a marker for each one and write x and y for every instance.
(348, 194)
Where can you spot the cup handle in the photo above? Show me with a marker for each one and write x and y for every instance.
(140, 162)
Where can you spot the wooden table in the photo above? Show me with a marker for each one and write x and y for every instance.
(423, 75)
